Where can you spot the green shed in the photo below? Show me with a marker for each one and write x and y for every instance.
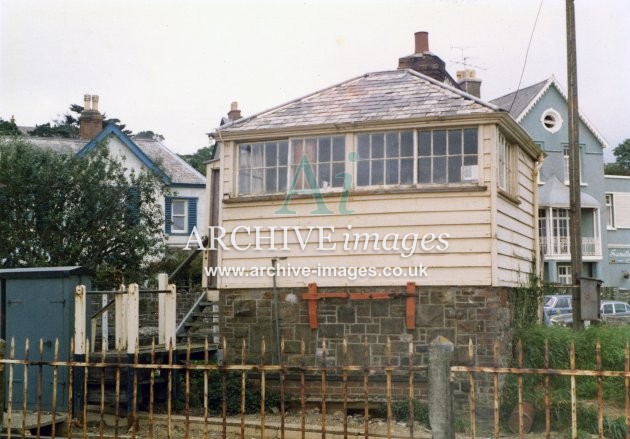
(39, 303)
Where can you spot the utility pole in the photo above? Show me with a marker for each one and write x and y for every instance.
(575, 213)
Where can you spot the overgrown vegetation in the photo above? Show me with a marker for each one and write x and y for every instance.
(400, 411)
(612, 339)
(233, 393)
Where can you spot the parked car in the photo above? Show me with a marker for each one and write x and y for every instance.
(556, 304)
(608, 308)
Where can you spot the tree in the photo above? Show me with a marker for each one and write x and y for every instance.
(60, 209)
(148, 135)
(615, 169)
(198, 159)
(622, 154)
(9, 128)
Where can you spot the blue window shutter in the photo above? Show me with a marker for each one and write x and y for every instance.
(192, 214)
(168, 208)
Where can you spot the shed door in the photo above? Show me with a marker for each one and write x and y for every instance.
(38, 308)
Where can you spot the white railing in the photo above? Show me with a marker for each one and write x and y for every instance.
(561, 246)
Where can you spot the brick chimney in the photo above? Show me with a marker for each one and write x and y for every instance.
(425, 62)
(468, 82)
(90, 121)
(234, 112)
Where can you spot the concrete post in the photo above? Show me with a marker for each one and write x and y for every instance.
(162, 285)
(133, 311)
(440, 391)
(170, 317)
(80, 307)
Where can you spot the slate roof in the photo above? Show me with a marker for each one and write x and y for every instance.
(173, 165)
(524, 97)
(380, 96)
(154, 154)
(556, 194)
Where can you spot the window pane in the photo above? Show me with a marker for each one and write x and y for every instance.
(439, 142)
(470, 141)
(282, 179)
(270, 180)
(377, 146)
(244, 154)
(363, 173)
(257, 180)
(179, 207)
(424, 170)
(392, 172)
(323, 177)
(406, 171)
(620, 307)
(257, 155)
(406, 144)
(470, 160)
(323, 154)
(337, 179)
(283, 153)
(392, 144)
(179, 223)
(455, 169)
(271, 154)
(454, 142)
(243, 182)
(424, 143)
(377, 169)
(439, 169)
(364, 146)
(339, 148)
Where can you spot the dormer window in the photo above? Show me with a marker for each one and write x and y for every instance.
(551, 120)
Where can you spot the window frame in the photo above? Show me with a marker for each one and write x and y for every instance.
(609, 203)
(433, 156)
(371, 136)
(567, 275)
(351, 161)
(185, 202)
(507, 169)
(566, 150)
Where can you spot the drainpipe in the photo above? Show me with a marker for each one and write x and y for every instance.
(274, 308)
(538, 254)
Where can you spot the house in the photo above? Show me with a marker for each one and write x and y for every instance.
(542, 109)
(183, 206)
(617, 226)
(391, 205)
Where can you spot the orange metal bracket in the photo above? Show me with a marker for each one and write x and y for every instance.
(313, 297)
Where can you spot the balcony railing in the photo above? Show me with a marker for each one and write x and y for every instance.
(561, 246)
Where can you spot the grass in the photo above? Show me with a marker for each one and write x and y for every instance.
(613, 340)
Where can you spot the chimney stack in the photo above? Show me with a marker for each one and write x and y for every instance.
(90, 121)
(468, 82)
(234, 113)
(422, 42)
(423, 61)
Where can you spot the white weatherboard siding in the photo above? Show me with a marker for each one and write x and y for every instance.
(516, 228)
(465, 217)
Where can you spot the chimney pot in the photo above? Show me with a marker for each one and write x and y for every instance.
(422, 41)
(87, 106)
(95, 102)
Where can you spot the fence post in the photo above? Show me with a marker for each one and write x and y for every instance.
(3, 351)
(133, 323)
(170, 317)
(162, 286)
(80, 317)
(440, 391)
(120, 303)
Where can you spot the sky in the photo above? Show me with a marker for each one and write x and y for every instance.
(174, 67)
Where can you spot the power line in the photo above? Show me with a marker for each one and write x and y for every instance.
(531, 37)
